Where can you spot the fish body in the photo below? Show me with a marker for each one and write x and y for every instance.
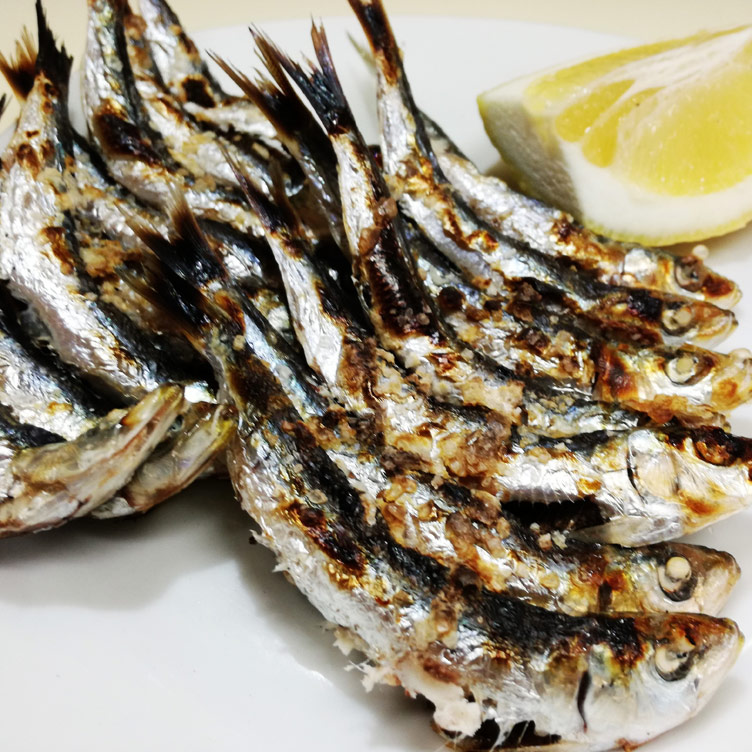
(134, 152)
(44, 483)
(188, 78)
(557, 234)
(39, 253)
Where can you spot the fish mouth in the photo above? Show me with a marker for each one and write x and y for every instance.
(720, 656)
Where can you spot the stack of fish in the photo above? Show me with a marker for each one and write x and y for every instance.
(467, 427)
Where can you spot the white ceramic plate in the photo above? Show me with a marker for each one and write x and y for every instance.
(170, 632)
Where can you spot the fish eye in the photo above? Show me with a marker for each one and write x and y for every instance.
(686, 368)
(673, 662)
(676, 578)
(689, 273)
(677, 320)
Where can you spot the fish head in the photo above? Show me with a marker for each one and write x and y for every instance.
(681, 577)
(693, 476)
(682, 320)
(668, 671)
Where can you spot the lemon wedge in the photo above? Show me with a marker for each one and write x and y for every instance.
(651, 144)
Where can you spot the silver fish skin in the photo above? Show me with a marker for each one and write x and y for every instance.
(452, 525)
(201, 152)
(489, 259)
(421, 629)
(38, 249)
(135, 154)
(45, 486)
(688, 382)
(383, 271)
(42, 394)
(193, 443)
(556, 233)
(188, 78)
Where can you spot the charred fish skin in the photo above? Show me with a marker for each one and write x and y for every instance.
(197, 439)
(446, 523)
(556, 233)
(486, 257)
(687, 382)
(188, 78)
(44, 486)
(135, 154)
(199, 151)
(405, 609)
(39, 253)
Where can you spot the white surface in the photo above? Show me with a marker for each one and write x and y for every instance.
(170, 632)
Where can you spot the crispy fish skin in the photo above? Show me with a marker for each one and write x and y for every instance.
(38, 249)
(449, 524)
(196, 441)
(691, 383)
(134, 153)
(201, 152)
(423, 629)
(688, 382)
(489, 259)
(44, 486)
(556, 233)
(189, 79)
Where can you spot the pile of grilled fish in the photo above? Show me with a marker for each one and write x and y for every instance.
(468, 428)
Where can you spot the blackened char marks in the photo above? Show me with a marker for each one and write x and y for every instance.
(196, 90)
(120, 138)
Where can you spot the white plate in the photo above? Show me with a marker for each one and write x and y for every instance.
(170, 632)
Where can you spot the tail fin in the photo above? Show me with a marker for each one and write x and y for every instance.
(52, 60)
(320, 85)
(276, 214)
(378, 30)
(187, 252)
(21, 69)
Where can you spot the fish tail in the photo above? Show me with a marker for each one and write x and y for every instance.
(53, 61)
(276, 214)
(320, 85)
(19, 70)
(372, 17)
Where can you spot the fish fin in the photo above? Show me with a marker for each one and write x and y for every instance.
(53, 61)
(19, 71)
(3, 104)
(375, 23)
(277, 214)
(320, 84)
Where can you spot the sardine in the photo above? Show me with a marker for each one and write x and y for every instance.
(39, 253)
(201, 152)
(45, 481)
(486, 257)
(556, 233)
(135, 153)
(39, 393)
